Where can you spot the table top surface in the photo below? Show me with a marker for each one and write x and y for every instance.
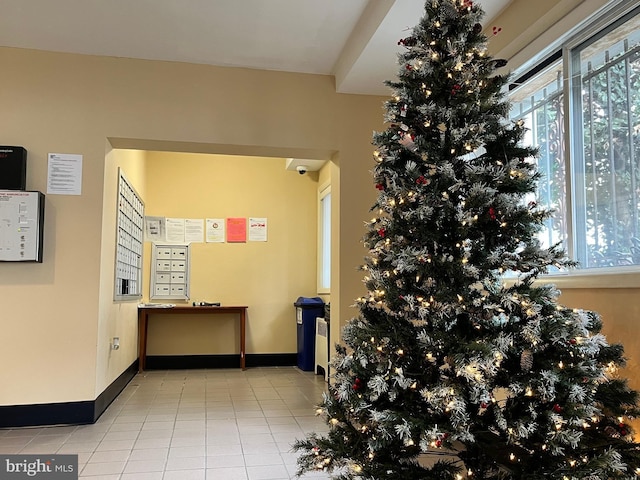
(203, 308)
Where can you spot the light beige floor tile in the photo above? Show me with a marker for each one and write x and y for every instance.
(258, 459)
(151, 434)
(224, 450)
(267, 472)
(101, 477)
(142, 476)
(115, 445)
(186, 463)
(124, 427)
(229, 473)
(242, 421)
(109, 456)
(124, 435)
(106, 468)
(253, 429)
(254, 449)
(223, 461)
(143, 466)
(191, 451)
(185, 475)
(157, 454)
(167, 425)
(188, 441)
(256, 439)
(152, 443)
(78, 447)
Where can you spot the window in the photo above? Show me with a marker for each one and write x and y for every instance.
(591, 168)
(540, 105)
(606, 72)
(324, 239)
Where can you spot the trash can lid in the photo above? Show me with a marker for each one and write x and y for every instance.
(308, 302)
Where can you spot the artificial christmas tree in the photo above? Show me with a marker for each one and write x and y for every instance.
(449, 371)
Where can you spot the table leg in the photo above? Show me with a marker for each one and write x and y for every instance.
(143, 319)
(242, 336)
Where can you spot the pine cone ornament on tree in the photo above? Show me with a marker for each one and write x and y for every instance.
(526, 360)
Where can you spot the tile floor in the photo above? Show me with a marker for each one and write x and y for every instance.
(191, 425)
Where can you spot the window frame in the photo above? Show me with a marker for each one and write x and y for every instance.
(589, 30)
(324, 240)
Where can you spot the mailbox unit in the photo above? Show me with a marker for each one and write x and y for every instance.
(170, 272)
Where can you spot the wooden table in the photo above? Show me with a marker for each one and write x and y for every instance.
(143, 323)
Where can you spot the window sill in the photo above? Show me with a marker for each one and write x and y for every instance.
(600, 278)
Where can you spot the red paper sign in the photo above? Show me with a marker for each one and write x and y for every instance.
(236, 230)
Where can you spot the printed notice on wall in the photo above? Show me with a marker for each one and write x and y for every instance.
(175, 230)
(257, 229)
(236, 230)
(65, 174)
(193, 230)
(154, 228)
(215, 230)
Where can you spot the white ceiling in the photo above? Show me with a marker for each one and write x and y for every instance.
(354, 40)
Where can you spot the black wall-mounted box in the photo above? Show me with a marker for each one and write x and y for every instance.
(13, 168)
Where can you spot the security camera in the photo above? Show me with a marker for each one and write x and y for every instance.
(302, 169)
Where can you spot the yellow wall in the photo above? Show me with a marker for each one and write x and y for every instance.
(266, 276)
(528, 29)
(115, 319)
(59, 315)
(620, 310)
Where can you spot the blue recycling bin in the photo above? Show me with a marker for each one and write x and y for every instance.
(307, 310)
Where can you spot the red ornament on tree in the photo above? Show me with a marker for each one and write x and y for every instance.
(407, 42)
(421, 180)
(455, 89)
(557, 408)
(380, 186)
(492, 213)
(382, 232)
(357, 384)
